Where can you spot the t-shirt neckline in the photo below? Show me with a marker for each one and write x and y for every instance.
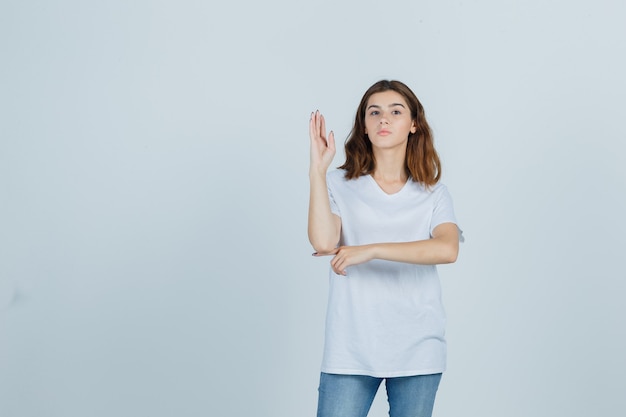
(380, 189)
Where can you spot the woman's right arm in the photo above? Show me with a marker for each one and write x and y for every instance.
(324, 226)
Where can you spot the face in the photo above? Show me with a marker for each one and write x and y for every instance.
(388, 120)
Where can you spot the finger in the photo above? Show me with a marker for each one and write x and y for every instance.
(341, 266)
(318, 123)
(333, 252)
(312, 125)
(331, 141)
(338, 271)
(323, 127)
(337, 265)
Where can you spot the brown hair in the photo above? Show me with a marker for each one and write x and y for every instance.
(421, 163)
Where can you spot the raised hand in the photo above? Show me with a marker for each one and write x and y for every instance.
(322, 147)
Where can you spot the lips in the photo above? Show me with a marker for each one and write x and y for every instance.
(383, 132)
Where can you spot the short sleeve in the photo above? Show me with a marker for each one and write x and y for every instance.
(443, 211)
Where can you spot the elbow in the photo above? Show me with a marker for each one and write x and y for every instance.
(450, 256)
(323, 247)
(323, 243)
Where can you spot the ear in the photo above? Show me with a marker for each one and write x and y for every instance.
(413, 127)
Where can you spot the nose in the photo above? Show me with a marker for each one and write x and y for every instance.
(383, 120)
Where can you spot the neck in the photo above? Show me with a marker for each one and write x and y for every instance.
(390, 165)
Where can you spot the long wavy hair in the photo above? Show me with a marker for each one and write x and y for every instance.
(421, 163)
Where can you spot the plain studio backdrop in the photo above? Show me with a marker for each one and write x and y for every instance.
(154, 189)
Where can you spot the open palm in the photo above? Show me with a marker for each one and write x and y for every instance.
(322, 147)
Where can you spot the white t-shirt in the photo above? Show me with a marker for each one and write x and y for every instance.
(385, 319)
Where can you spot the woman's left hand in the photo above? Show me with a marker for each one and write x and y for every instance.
(346, 256)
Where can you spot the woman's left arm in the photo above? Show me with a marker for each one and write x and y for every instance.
(442, 248)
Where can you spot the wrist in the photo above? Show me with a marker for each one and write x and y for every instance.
(373, 251)
(315, 174)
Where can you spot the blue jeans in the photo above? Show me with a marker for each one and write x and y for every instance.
(352, 395)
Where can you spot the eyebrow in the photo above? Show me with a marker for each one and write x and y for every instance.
(391, 105)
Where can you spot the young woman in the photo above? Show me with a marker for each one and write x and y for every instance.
(386, 221)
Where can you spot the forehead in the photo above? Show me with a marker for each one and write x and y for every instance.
(386, 98)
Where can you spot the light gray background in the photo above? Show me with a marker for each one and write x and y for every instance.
(153, 197)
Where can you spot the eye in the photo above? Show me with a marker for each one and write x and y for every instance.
(374, 113)
(396, 112)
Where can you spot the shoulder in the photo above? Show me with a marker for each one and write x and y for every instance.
(336, 177)
(440, 192)
(439, 188)
(336, 181)
(336, 174)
